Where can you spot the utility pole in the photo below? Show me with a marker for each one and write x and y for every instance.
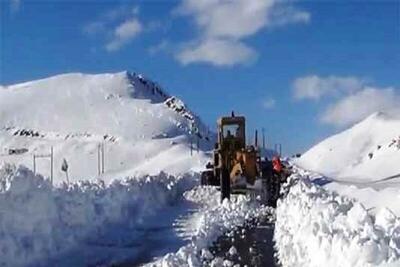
(198, 143)
(191, 145)
(51, 163)
(48, 156)
(98, 159)
(256, 139)
(102, 158)
(263, 138)
(34, 164)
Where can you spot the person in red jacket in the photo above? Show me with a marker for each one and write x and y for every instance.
(277, 165)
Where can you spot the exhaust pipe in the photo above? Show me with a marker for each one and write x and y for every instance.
(256, 139)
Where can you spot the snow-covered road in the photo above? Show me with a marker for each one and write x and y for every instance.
(211, 221)
(170, 221)
(165, 220)
(250, 245)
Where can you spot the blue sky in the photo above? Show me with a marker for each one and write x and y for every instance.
(303, 70)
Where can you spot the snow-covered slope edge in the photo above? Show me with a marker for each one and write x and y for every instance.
(370, 150)
(315, 227)
(38, 221)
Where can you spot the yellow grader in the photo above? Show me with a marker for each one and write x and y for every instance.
(237, 168)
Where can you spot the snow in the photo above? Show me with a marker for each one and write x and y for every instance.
(318, 227)
(148, 184)
(344, 198)
(208, 223)
(232, 251)
(368, 151)
(39, 222)
(43, 225)
(99, 219)
(340, 206)
(140, 126)
(362, 162)
(374, 196)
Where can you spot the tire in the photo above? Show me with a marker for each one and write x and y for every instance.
(274, 190)
(225, 185)
(204, 178)
(207, 178)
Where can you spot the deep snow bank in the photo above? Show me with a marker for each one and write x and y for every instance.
(210, 222)
(315, 227)
(38, 221)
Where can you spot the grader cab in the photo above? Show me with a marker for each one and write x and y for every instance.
(236, 167)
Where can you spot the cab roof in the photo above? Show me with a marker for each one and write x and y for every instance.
(231, 120)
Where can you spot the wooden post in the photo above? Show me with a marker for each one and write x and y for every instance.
(98, 159)
(102, 158)
(51, 163)
(198, 143)
(34, 164)
(191, 145)
(263, 138)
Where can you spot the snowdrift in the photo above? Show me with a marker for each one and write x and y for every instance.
(316, 227)
(39, 222)
(368, 151)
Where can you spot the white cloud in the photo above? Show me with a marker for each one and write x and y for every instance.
(351, 98)
(15, 5)
(228, 23)
(287, 15)
(269, 103)
(164, 45)
(314, 87)
(124, 33)
(120, 24)
(234, 19)
(361, 104)
(94, 27)
(218, 52)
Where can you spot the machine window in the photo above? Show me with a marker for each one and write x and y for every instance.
(230, 131)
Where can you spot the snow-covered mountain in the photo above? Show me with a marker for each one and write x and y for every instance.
(142, 127)
(345, 205)
(370, 150)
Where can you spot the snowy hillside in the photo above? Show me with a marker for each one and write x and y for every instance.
(370, 150)
(139, 124)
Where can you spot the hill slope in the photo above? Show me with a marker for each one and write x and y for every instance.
(367, 151)
(141, 126)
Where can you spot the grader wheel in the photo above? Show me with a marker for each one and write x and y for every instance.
(225, 184)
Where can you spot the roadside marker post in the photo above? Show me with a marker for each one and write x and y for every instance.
(45, 156)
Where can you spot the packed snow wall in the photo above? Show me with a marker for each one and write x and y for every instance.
(316, 227)
(38, 221)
